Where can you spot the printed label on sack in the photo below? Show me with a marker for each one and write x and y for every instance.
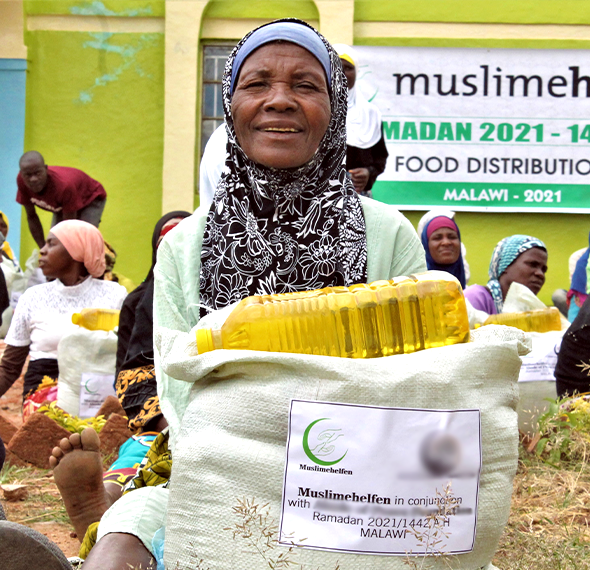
(94, 389)
(539, 364)
(372, 480)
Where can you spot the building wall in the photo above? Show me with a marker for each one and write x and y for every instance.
(113, 88)
(95, 101)
(13, 65)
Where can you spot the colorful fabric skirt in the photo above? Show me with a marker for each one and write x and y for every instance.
(46, 391)
(137, 392)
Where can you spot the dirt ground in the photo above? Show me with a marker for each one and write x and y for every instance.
(43, 509)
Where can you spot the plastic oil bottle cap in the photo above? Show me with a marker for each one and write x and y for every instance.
(76, 318)
(204, 340)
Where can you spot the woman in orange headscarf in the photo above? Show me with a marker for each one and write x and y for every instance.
(73, 257)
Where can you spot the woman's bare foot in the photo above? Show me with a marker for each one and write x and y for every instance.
(77, 470)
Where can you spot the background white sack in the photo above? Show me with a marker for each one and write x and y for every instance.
(33, 274)
(536, 380)
(16, 283)
(232, 439)
(520, 298)
(79, 352)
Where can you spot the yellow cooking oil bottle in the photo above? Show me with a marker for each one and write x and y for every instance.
(382, 318)
(540, 320)
(97, 319)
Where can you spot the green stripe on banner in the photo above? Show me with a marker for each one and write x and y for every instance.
(564, 198)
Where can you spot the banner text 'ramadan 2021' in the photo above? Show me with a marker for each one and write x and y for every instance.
(482, 129)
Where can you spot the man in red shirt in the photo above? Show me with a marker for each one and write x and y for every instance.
(67, 192)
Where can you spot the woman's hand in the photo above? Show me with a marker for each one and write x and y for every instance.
(360, 177)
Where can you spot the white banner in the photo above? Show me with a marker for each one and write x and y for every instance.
(479, 129)
(366, 480)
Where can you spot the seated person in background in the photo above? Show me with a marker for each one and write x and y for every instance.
(78, 471)
(211, 166)
(448, 214)
(4, 299)
(136, 379)
(441, 240)
(366, 154)
(74, 257)
(67, 192)
(516, 258)
(560, 297)
(5, 249)
(578, 292)
(573, 360)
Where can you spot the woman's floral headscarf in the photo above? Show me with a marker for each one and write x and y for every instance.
(506, 253)
(280, 230)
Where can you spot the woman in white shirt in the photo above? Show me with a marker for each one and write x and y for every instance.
(73, 257)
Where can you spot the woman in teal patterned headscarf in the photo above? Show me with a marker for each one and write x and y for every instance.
(508, 264)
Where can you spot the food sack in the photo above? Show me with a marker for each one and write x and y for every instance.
(536, 380)
(86, 362)
(413, 433)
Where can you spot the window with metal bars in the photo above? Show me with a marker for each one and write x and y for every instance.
(214, 58)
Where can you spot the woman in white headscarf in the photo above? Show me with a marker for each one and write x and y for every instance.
(366, 154)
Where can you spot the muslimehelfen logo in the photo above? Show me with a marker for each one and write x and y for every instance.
(324, 447)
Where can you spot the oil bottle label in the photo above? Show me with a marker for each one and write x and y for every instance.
(374, 480)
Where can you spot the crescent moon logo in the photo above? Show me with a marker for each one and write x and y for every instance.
(308, 451)
(88, 389)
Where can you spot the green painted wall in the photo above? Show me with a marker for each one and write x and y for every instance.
(131, 8)
(95, 102)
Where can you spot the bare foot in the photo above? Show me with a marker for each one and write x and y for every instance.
(77, 470)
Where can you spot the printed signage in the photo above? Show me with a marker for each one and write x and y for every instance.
(94, 389)
(368, 480)
(482, 129)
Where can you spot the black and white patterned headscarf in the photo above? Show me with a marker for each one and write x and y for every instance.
(281, 230)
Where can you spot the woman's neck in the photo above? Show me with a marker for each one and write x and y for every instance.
(74, 276)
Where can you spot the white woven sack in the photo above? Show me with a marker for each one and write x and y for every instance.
(82, 351)
(232, 441)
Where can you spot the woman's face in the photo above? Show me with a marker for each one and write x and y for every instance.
(350, 72)
(444, 246)
(3, 227)
(54, 261)
(281, 106)
(528, 268)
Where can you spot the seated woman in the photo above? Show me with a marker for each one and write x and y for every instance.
(73, 256)
(11, 273)
(430, 215)
(518, 258)
(366, 153)
(136, 378)
(442, 243)
(573, 360)
(285, 217)
(578, 292)
(87, 492)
